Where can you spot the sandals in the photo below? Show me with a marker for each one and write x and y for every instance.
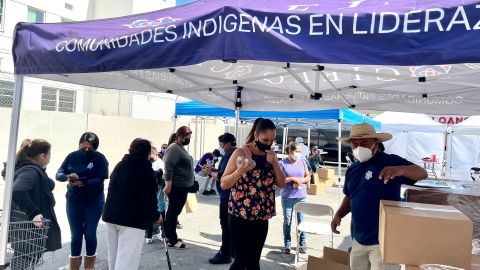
(178, 245)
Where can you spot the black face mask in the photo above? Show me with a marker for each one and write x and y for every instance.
(186, 142)
(263, 147)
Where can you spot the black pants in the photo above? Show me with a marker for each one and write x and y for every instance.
(151, 227)
(176, 202)
(227, 248)
(248, 238)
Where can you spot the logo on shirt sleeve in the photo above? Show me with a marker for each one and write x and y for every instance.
(368, 175)
(90, 166)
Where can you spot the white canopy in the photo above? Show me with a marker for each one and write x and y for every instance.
(415, 136)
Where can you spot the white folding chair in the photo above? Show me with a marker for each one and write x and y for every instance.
(312, 223)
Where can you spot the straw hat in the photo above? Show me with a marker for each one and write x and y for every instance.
(365, 131)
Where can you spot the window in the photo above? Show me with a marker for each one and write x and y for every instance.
(35, 15)
(6, 94)
(2, 7)
(56, 99)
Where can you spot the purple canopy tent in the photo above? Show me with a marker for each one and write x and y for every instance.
(416, 56)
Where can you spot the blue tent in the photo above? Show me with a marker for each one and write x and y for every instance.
(349, 116)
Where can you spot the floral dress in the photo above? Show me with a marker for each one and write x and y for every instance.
(253, 196)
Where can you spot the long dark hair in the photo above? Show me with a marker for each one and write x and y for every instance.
(259, 126)
(31, 149)
(182, 131)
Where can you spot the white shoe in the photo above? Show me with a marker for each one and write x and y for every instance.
(148, 240)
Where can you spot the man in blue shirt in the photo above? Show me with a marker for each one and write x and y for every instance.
(227, 145)
(375, 176)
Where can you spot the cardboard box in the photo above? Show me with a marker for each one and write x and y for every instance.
(415, 234)
(315, 179)
(325, 173)
(333, 259)
(329, 182)
(316, 189)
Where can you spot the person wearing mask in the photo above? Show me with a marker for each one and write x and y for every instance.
(206, 168)
(158, 166)
(32, 199)
(252, 173)
(373, 177)
(85, 170)
(305, 150)
(163, 150)
(131, 206)
(179, 178)
(295, 191)
(227, 145)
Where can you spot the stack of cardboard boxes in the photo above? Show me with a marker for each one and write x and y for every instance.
(412, 234)
(320, 179)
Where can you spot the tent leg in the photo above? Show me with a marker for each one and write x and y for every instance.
(12, 145)
(237, 119)
(308, 137)
(284, 141)
(339, 151)
(174, 123)
(196, 138)
(444, 159)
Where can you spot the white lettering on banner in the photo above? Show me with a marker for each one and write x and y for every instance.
(315, 24)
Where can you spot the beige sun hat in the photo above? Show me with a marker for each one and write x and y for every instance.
(365, 131)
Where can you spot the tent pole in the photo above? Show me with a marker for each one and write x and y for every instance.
(203, 134)
(237, 119)
(284, 141)
(444, 159)
(339, 150)
(12, 145)
(308, 137)
(238, 105)
(196, 138)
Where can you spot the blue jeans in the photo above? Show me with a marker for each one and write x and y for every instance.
(287, 205)
(83, 219)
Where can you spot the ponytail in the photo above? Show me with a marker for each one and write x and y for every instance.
(259, 126)
(172, 138)
(30, 149)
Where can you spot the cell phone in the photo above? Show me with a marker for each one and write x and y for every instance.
(78, 179)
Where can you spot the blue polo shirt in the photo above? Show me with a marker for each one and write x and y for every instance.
(365, 190)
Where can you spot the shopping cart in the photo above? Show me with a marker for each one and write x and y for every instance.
(26, 241)
(475, 173)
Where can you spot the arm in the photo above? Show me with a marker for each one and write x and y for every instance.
(171, 160)
(412, 172)
(62, 174)
(101, 172)
(24, 183)
(342, 211)
(232, 174)
(277, 169)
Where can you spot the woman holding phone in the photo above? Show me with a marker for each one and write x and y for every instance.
(85, 170)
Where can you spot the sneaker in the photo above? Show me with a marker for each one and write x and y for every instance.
(148, 240)
(286, 250)
(302, 250)
(219, 258)
(212, 192)
(179, 226)
(206, 192)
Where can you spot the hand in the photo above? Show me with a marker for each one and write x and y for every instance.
(159, 220)
(167, 190)
(248, 165)
(38, 221)
(271, 157)
(389, 173)
(335, 223)
(72, 176)
(74, 183)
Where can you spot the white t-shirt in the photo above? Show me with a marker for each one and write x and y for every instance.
(305, 151)
(158, 164)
